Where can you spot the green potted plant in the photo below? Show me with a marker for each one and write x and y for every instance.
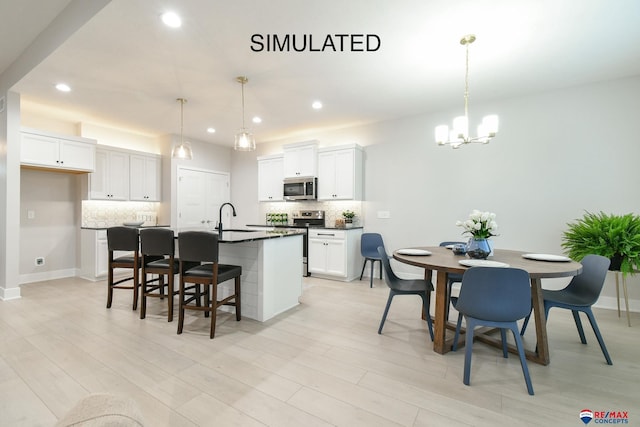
(616, 237)
(348, 218)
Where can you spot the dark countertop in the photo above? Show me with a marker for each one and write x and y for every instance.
(231, 236)
(142, 226)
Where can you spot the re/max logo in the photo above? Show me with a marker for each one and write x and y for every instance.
(611, 414)
(610, 417)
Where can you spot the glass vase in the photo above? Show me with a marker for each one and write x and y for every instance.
(478, 248)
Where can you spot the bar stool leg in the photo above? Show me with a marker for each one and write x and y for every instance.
(143, 296)
(181, 305)
(170, 284)
(212, 306)
(136, 279)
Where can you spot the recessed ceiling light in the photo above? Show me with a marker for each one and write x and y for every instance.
(171, 19)
(316, 105)
(211, 130)
(63, 87)
(257, 119)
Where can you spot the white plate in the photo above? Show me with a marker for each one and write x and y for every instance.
(132, 223)
(546, 257)
(415, 252)
(481, 263)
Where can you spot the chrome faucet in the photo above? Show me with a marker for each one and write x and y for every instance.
(220, 215)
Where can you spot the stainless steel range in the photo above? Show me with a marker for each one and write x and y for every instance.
(306, 219)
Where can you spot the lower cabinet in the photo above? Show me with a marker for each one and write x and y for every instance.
(335, 254)
(94, 259)
(94, 254)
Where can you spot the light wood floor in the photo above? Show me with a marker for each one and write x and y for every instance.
(319, 364)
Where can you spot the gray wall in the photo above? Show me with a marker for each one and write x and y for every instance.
(53, 232)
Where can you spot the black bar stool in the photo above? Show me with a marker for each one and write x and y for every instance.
(202, 247)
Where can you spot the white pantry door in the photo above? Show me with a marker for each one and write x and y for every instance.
(200, 194)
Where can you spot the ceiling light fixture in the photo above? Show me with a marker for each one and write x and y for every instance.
(183, 150)
(171, 19)
(317, 105)
(244, 139)
(459, 135)
(63, 87)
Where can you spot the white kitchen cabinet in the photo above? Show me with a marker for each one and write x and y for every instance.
(144, 177)
(49, 151)
(300, 159)
(334, 254)
(270, 178)
(340, 173)
(94, 254)
(110, 181)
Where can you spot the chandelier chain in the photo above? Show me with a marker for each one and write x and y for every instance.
(466, 84)
(243, 104)
(181, 120)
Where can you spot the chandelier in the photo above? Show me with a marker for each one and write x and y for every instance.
(244, 139)
(183, 150)
(459, 135)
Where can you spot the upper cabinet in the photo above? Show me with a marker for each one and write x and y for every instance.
(125, 175)
(144, 177)
(270, 178)
(110, 181)
(340, 173)
(301, 159)
(45, 150)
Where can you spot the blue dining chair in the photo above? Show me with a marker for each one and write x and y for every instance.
(497, 298)
(369, 243)
(578, 296)
(398, 286)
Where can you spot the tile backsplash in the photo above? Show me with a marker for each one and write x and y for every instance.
(103, 213)
(332, 210)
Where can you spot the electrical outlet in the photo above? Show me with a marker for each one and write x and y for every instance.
(384, 214)
(31, 214)
(40, 260)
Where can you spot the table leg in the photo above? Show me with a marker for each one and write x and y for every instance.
(537, 300)
(440, 320)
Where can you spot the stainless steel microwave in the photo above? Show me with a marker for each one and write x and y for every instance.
(301, 188)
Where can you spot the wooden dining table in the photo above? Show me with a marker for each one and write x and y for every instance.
(445, 262)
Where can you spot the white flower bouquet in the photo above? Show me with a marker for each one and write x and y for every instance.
(481, 225)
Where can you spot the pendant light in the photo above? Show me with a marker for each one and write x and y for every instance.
(459, 135)
(183, 150)
(244, 139)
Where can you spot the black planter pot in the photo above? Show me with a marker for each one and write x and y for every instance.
(616, 263)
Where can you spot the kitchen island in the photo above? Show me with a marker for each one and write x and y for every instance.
(271, 263)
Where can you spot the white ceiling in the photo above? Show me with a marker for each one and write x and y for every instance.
(127, 69)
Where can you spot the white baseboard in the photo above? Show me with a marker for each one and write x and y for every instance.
(611, 304)
(9, 294)
(48, 275)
